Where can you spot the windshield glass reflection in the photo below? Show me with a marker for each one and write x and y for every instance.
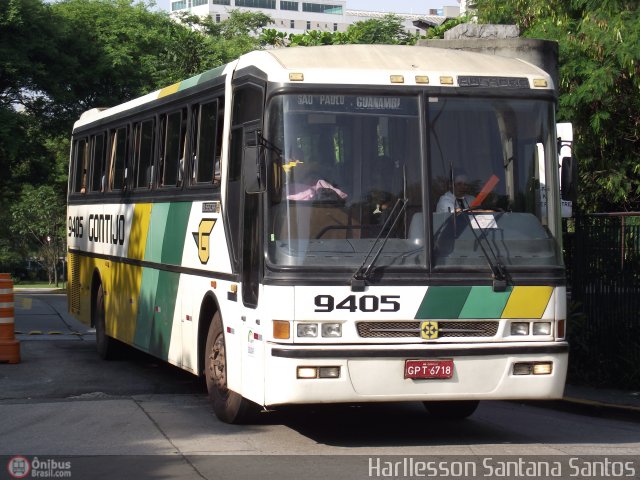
(346, 160)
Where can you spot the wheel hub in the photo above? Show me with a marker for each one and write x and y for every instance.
(217, 364)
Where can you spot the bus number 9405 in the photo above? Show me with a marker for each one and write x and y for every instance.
(365, 303)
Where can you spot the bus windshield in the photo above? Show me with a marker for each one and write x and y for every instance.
(346, 160)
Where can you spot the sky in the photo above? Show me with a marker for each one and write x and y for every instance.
(396, 6)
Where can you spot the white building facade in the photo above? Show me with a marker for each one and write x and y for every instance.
(293, 16)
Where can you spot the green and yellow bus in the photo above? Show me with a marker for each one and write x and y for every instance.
(330, 224)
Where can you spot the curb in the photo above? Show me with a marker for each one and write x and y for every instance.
(39, 290)
(602, 405)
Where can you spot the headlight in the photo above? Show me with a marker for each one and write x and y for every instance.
(307, 330)
(332, 330)
(542, 328)
(519, 328)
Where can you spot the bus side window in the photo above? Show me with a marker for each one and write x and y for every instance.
(205, 144)
(80, 158)
(143, 154)
(217, 169)
(173, 148)
(98, 148)
(118, 158)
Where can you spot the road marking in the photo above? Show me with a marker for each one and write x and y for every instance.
(26, 303)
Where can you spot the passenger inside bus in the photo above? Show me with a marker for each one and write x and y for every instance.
(306, 181)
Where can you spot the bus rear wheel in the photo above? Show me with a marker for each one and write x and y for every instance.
(106, 345)
(229, 406)
(452, 410)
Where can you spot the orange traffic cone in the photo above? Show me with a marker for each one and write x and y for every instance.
(9, 346)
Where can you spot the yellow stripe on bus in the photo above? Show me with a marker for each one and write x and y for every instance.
(124, 307)
(139, 230)
(527, 302)
(128, 278)
(170, 90)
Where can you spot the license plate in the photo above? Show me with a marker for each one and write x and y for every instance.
(421, 369)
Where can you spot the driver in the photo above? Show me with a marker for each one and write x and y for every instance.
(451, 201)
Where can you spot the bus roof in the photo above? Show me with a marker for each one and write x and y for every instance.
(354, 65)
(398, 57)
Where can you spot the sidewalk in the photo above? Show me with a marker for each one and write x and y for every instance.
(603, 398)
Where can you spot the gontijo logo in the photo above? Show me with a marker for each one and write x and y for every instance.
(18, 467)
(202, 238)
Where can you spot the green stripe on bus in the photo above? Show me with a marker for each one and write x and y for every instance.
(157, 304)
(166, 295)
(175, 233)
(443, 302)
(211, 74)
(157, 229)
(146, 307)
(167, 232)
(483, 302)
(189, 82)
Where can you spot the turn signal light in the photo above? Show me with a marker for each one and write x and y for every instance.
(281, 329)
(561, 330)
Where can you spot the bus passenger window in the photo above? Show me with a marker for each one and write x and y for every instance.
(118, 159)
(173, 148)
(81, 154)
(143, 154)
(98, 162)
(205, 152)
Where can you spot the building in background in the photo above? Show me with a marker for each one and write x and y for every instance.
(292, 16)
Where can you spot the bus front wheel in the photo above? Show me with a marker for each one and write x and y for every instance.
(452, 410)
(229, 406)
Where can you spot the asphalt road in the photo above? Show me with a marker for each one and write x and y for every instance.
(140, 418)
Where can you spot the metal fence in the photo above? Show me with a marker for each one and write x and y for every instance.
(602, 254)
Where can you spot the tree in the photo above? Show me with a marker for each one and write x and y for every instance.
(58, 60)
(38, 217)
(599, 87)
(227, 40)
(387, 30)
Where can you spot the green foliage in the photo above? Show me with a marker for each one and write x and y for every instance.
(60, 59)
(438, 32)
(227, 40)
(312, 38)
(599, 87)
(38, 217)
(387, 30)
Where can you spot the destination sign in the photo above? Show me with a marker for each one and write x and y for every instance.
(383, 104)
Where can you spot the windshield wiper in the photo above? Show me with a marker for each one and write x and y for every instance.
(360, 277)
(498, 270)
(263, 142)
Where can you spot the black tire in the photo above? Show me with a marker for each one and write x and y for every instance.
(452, 410)
(105, 345)
(229, 406)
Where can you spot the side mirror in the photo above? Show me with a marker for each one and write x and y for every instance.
(568, 174)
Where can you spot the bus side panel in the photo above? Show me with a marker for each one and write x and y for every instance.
(122, 302)
(163, 243)
(206, 248)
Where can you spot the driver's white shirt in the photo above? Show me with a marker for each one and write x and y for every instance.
(448, 204)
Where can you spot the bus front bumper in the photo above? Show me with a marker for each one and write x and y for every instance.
(377, 373)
